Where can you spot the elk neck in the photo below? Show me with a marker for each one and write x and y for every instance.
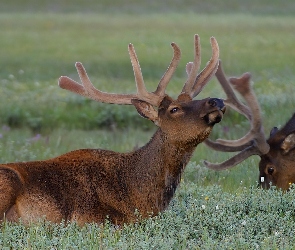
(159, 167)
(170, 154)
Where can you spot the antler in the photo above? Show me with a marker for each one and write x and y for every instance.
(195, 83)
(254, 142)
(87, 89)
(192, 87)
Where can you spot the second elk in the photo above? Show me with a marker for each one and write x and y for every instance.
(90, 185)
(277, 153)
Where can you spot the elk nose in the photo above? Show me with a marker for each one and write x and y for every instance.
(216, 102)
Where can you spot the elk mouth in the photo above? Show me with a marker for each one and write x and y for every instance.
(218, 109)
(214, 116)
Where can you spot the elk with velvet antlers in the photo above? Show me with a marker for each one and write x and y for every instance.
(277, 153)
(90, 185)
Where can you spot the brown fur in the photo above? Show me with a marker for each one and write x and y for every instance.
(89, 185)
(277, 167)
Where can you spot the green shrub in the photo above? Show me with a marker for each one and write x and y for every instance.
(198, 218)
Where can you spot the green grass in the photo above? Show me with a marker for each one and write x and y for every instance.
(263, 7)
(40, 42)
(41, 47)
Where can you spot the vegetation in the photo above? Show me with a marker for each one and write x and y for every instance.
(199, 218)
(41, 41)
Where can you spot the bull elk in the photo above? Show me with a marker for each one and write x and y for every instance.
(277, 163)
(90, 185)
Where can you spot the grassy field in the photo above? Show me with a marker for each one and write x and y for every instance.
(40, 42)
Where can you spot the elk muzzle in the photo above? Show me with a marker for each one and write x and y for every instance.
(218, 108)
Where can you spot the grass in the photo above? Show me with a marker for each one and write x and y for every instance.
(40, 42)
(263, 7)
(41, 47)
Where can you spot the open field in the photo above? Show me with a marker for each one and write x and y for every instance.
(41, 47)
(40, 42)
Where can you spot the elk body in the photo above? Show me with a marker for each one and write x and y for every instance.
(90, 185)
(277, 153)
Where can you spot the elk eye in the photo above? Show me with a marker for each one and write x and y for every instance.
(174, 110)
(270, 170)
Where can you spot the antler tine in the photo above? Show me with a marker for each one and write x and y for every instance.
(170, 71)
(67, 83)
(243, 86)
(232, 99)
(234, 103)
(206, 74)
(217, 146)
(137, 70)
(235, 160)
(255, 137)
(193, 67)
(88, 90)
(142, 93)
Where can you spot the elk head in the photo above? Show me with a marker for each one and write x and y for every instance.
(181, 119)
(277, 167)
(277, 164)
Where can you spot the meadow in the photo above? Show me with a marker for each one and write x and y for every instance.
(38, 120)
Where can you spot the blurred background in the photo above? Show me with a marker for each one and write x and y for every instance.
(42, 40)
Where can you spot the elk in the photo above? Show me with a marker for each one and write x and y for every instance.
(277, 154)
(90, 185)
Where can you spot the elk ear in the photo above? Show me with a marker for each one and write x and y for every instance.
(164, 105)
(183, 97)
(166, 101)
(288, 143)
(146, 110)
